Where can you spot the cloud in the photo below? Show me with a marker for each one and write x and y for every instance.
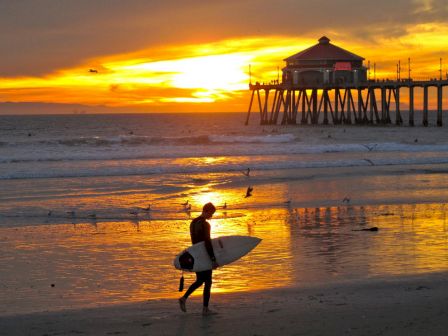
(172, 54)
(40, 36)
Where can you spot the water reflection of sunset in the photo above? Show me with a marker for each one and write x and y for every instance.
(122, 257)
(105, 262)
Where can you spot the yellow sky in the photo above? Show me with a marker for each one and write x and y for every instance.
(213, 76)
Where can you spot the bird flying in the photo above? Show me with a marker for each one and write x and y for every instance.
(249, 192)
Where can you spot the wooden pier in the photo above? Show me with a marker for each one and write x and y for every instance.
(370, 102)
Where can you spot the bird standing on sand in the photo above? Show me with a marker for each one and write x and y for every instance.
(249, 192)
(134, 212)
(369, 161)
(147, 209)
(49, 213)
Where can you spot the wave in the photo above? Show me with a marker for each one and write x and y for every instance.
(278, 138)
(167, 166)
(229, 149)
(136, 140)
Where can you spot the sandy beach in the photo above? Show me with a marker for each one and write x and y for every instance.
(398, 306)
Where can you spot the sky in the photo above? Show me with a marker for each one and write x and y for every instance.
(192, 55)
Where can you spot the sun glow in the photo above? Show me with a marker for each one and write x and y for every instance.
(184, 77)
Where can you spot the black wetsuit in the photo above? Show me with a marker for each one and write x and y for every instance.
(200, 231)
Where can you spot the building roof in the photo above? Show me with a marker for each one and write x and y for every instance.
(324, 50)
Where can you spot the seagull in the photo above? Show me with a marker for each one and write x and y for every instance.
(49, 213)
(247, 172)
(369, 161)
(93, 71)
(249, 192)
(147, 209)
(346, 200)
(370, 148)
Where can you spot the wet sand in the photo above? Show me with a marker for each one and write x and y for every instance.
(393, 306)
(311, 275)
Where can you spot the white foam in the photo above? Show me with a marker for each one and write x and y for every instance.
(120, 152)
(84, 168)
(270, 138)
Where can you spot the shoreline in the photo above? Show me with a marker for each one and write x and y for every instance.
(412, 305)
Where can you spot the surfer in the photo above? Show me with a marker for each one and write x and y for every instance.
(200, 231)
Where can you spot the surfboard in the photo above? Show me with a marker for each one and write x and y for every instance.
(227, 249)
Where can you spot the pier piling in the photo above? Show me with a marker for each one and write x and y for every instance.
(411, 106)
(439, 105)
(335, 103)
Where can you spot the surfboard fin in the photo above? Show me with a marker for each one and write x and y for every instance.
(181, 283)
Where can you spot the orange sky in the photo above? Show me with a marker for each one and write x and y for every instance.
(213, 75)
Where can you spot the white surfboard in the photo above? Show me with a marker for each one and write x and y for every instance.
(227, 249)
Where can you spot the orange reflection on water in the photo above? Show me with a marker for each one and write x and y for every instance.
(271, 256)
(415, 239)
(412, 239)
(123, 258)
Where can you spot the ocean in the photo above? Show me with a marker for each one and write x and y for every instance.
(73, 188)
(123, 145)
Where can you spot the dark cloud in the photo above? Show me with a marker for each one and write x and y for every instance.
(40, 36)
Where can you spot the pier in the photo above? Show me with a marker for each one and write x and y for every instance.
(326, 84)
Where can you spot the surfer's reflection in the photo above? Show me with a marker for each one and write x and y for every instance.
(200, 231)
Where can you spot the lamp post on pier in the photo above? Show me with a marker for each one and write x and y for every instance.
(409, 69)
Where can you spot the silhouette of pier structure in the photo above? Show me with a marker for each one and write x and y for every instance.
(325, 83)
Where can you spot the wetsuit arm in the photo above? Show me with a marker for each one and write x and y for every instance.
(208, 242)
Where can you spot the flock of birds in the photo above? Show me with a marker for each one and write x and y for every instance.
(186, 206)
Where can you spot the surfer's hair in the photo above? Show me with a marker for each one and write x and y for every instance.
(209, 207)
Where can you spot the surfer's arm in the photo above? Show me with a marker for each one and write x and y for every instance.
(208, 242)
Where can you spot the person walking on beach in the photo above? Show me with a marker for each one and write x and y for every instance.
(200, 231)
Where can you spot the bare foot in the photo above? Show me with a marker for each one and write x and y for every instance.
(208, 312)
(182, 306)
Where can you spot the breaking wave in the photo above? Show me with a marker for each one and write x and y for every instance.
(136, 140)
